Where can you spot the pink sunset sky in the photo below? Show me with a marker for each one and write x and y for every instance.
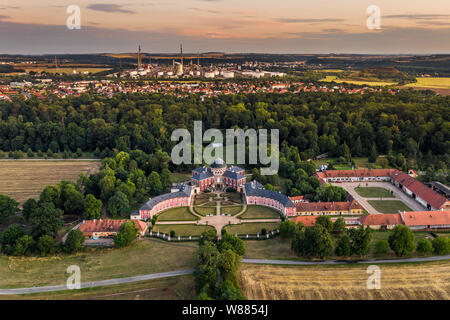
(284, 26)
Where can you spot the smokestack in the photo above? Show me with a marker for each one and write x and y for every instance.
(181, 50)
(139, 58)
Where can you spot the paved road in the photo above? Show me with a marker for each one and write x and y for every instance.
(373, 261)
(98, 283)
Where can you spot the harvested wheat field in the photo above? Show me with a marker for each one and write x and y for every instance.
(430, 281)
(23, 179)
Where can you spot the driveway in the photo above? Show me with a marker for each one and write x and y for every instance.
(399, 195)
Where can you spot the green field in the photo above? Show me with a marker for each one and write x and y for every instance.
(357, 82)
(230, 210)
(178, 177)
(174, 288)
(374, 192)
(388, 206)
(251, 228)
(144, 257)
(259, 212)
(431, 82)
(177, 214)
(203, 211)
(182, 230)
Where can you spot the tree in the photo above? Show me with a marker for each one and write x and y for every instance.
(330, 193)
(45, 245)
(228, 265)
(8, 207)
(46, 220)
(74, 203)
(288, 229)
(343, 246)
(126, 235)
(339, 226)
(155, 183)
(401, 240)
(118, 205)
(93, 207)
(313, 242)
(227, 291)
(325, 221)
(10, 236)
(23, 245)
(373, 155)
(74, 241)
(424, 246)
(28, 207)
(268, 186)
(360, 240)
(209, 235)
(233, 243)
(381, 247)
(441, 245)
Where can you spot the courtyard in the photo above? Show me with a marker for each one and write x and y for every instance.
(380, 197)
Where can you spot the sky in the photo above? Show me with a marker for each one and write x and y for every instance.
(232, 26)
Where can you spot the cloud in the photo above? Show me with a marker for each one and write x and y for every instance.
(290, 20)
(417, 16)
(4, 17)
(109, 7)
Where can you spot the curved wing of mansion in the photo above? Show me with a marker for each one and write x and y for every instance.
(218, 174)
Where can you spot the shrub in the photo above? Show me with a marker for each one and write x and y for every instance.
(74, 241)
(263, 231)
(441, 245)
(126, 235)
(424, 246)
(172, 233)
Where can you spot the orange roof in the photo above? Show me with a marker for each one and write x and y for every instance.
(296, 198)
(327, 206)
(356, 173)
(308, 221)
(419, 189)
(426, 218)
(381, 219)
(107, 225)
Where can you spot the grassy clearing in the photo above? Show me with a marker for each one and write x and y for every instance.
(431, 82)
(143, 257)
(178, 177)
(231, 210)
(234, 197)
(175, 288)
(260, 212)
(23, 179)
(357, 82)
(429, 281)
(388, 206)
(182, 230)
(251, 228)
(374, 192)
(177, 214)
(203, 211)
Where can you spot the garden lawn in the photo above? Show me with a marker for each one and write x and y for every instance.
(233, 210)
(203, 211)
(182, 230)
(251, 228)
(259, 212)
(389, 206)
(177, 214)
(374, 192)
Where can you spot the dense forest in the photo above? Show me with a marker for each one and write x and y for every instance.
(413, 124)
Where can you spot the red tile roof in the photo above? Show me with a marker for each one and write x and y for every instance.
(419, 189)
(381, 219)
(426, 218)
(108, 225)
(308, 221)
